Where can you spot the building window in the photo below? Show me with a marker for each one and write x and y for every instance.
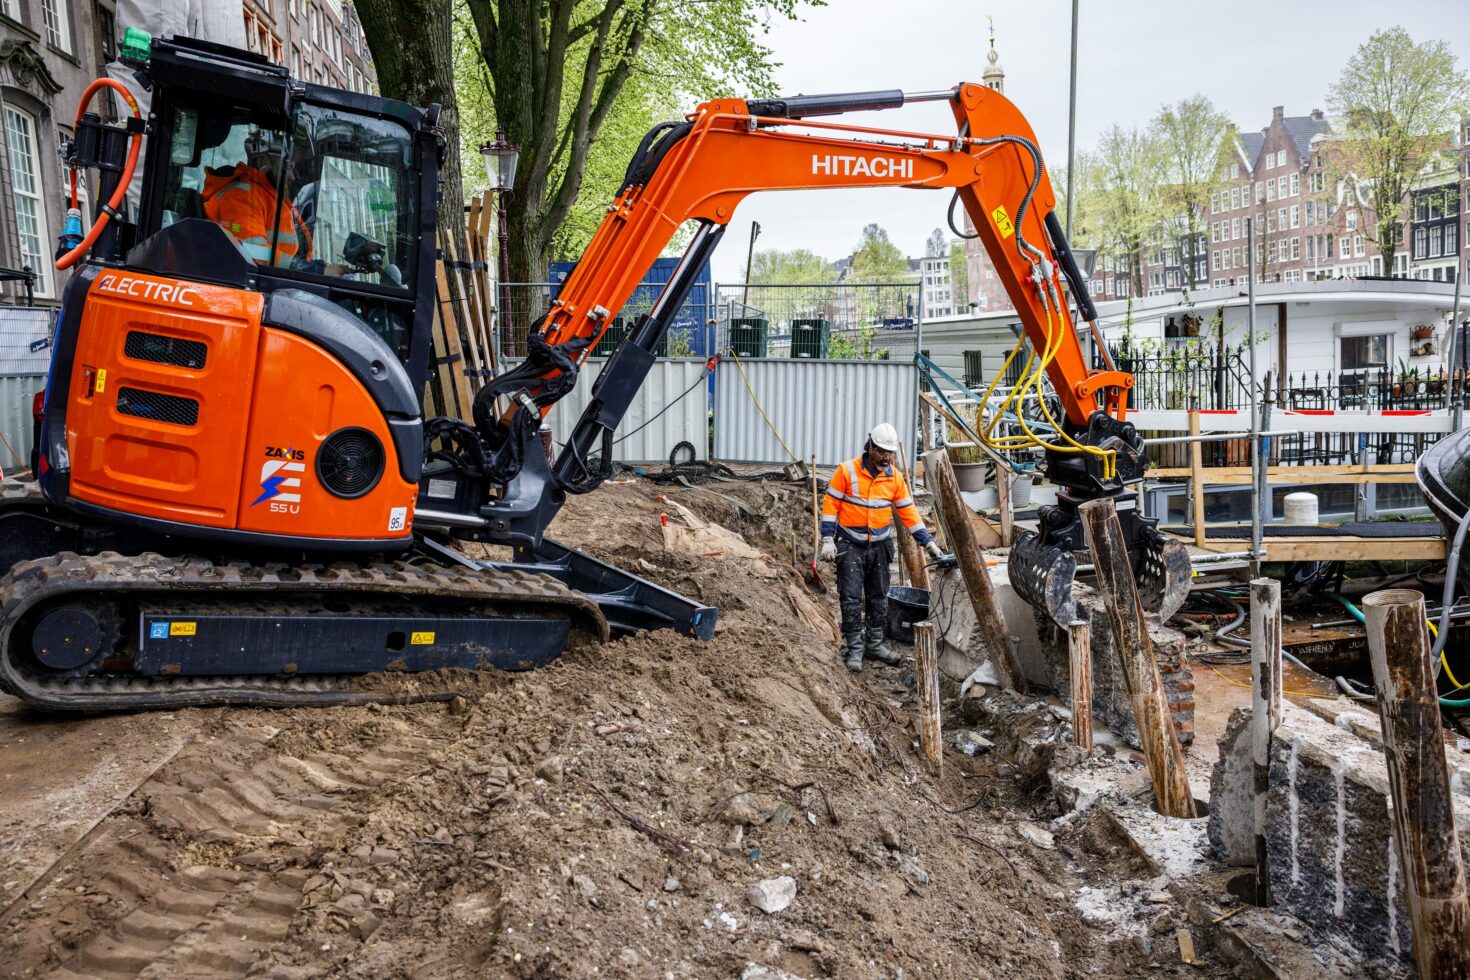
(1296, 248)
(30, 209)
(1260, 191)
(1451, 239)
(1296, 215)
(1270, 190)
(1281, 186)
(58, 31)
(1436, 242)
(1451, 201)
(1360, 354)
(1357, 246)
(1295, 184)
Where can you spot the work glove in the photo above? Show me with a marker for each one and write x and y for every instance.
(829, 549)
(934, 550)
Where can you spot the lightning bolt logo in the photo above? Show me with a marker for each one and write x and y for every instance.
(278, 482)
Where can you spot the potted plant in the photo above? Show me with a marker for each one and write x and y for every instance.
(970, 464)
(1424, 331)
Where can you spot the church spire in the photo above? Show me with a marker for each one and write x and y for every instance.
(994, 75)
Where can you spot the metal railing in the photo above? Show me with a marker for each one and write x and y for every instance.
(833, 321)
(691, 334)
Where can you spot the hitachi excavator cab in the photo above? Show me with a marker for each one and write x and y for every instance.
(245, 358)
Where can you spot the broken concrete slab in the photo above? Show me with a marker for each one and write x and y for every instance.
(1332, 856)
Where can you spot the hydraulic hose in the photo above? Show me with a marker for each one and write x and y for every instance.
(135, 145)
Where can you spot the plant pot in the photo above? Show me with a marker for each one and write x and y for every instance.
(970, 476)
(1021, 493)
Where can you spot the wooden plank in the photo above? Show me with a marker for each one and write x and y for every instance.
(1265, 712)
(1377, 473)
(1135, 651)
(470, 367)
(1079, 654)
(450, 357)
(480, 249)
(1423, 807)
(926, 671)
(983, 598)
(469, 303)
(1339, 548)
(1196, 482)
(1005, 482)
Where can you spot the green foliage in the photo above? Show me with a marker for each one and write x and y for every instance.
(936, 244)
(877, 259)
(1401, 101)
(855, 345)
(797, 266)
(577, 83)
(959, 276)
(1190, 137)
(677, 342)
(1118, 197)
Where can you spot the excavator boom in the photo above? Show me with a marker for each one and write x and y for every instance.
(700, 169)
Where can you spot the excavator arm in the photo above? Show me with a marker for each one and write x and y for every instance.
(699, 170)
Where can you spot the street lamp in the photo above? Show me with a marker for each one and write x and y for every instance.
(501, 157)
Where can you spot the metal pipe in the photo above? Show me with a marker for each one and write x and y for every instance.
(1216, 437)
(1072, 131)
(938, 95)
(1456, 405)
(1256, 531)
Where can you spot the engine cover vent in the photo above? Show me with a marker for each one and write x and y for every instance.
(350, 462)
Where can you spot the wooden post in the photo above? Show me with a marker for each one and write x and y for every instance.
(926, 669)
(1005, 482)
(983, 599)
(1265, 711)
(1079, 650)
(913, 557)
(1423, 808)
(1197, 481)
(1136, 652)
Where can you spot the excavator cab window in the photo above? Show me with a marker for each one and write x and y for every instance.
(328, 194)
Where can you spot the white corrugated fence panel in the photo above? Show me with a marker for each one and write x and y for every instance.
(25, 340)
(16, 392)
(821, 407)
(688, 421)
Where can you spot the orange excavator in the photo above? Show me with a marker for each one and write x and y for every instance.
(239, 499)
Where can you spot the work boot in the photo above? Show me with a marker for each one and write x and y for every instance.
(878, 650)
(853, 643)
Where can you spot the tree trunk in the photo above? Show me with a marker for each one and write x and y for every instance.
(412, 46)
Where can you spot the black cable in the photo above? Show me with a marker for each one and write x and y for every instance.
(670, 405)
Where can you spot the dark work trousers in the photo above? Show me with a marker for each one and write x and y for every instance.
(862, 582)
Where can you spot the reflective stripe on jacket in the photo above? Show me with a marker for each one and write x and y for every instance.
(243, 202)
(860, 502)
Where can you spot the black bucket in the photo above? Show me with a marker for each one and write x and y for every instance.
(906, 606)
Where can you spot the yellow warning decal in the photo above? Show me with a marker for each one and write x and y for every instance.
(1003, 222)
(101, 380)
(182, 629)
(421, 639)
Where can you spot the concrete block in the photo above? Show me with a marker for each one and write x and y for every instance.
(1333, 860)
(1232, 822)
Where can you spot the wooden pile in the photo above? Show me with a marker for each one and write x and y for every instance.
(464, 318)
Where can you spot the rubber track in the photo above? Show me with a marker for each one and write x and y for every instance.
(109, 573)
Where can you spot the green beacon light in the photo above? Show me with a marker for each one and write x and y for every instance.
(137, 45)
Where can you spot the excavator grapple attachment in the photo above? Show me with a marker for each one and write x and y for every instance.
(1042, 574)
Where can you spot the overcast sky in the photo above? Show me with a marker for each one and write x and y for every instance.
(1133, 56)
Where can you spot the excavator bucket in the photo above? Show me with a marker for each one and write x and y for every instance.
(1043, 575)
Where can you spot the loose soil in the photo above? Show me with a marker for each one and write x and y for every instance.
(603, 816)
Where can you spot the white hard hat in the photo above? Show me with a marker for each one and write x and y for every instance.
(884, 436)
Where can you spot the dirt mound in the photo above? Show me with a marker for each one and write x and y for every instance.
(602, 816)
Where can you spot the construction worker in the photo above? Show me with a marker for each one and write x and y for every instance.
(243, 200)
(857, 533)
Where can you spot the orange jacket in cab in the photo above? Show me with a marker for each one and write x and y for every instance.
(243, 202)
(859, 503)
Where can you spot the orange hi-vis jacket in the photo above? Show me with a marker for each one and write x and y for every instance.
(859, 504)
(243, 202)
